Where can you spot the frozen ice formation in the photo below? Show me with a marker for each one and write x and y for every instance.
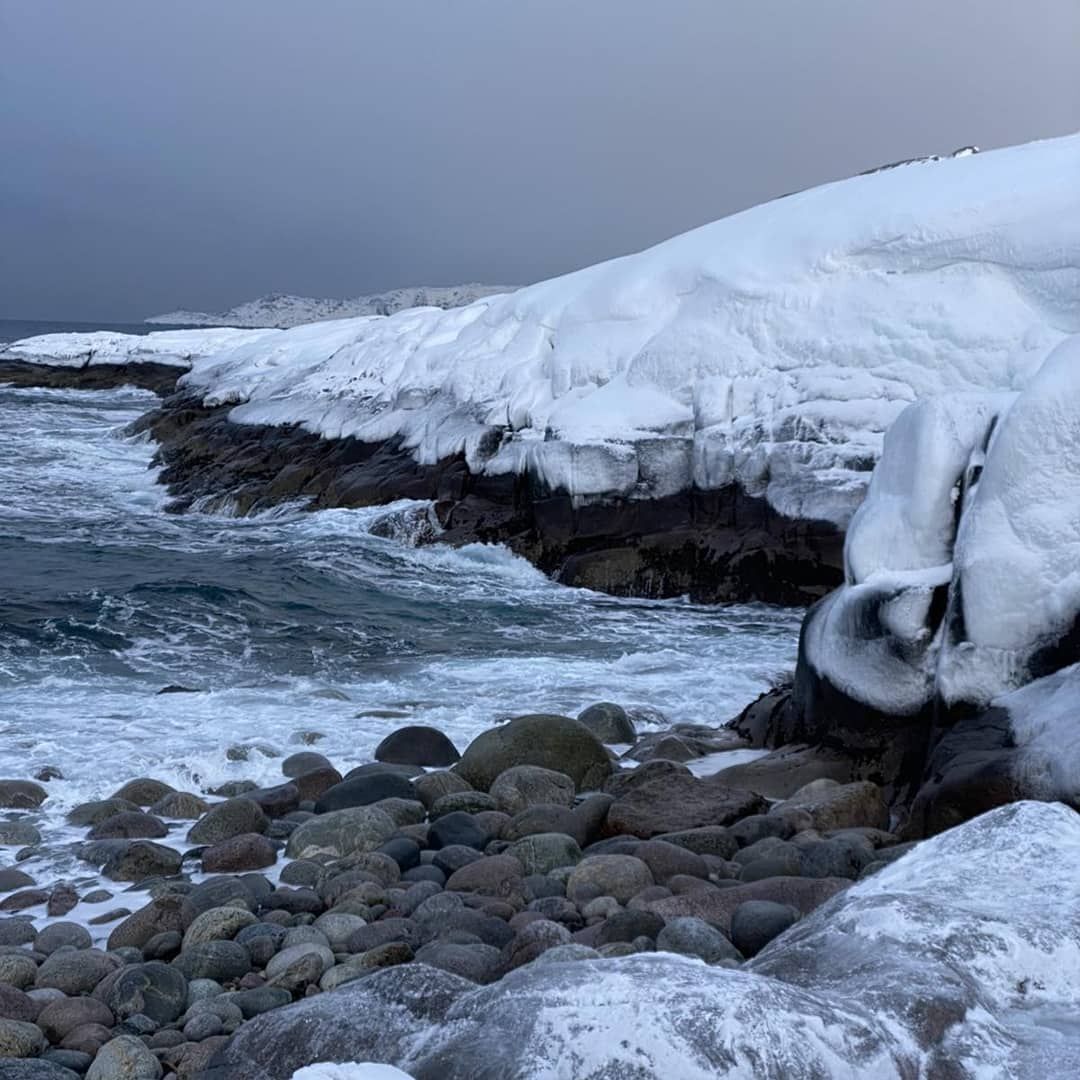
(178, 348)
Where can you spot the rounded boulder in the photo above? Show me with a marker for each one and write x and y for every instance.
(558, 743)
(417, 744)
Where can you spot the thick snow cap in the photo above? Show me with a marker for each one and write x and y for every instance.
(772, 348)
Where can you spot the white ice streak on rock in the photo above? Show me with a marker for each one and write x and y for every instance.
(871, 638)
(179, 348)
(772, 348)
(969, 941)
(359, 1070)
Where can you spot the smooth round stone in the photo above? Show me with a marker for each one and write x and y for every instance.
(690, 936)
(62, 935)
(21, 794)
(300, 966)
(609, 722)
(306, 761)
(129, 825)
(18, 834)
(143, 791)
(16, 968)
(247, 851)
(541, 853)
(261, 999)
(226, 820)
(417, 744)
(60, 1017)
(218, 924)
(155, 990)
(20, 1039)
(124, 1058)
(620, 876)
(754, 923)
(221, 961)
(75, 971)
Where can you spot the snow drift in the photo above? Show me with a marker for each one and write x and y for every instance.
(771, 349)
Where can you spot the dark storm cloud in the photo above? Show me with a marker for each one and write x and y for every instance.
(159, 154)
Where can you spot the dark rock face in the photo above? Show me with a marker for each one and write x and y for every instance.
(712, 545)
(161, 378)
(971, 770)
(938, 767)
(676, 802)
(417, 744)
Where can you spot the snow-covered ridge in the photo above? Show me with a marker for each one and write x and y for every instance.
(772, 348)
(177, 348)
(282, 310)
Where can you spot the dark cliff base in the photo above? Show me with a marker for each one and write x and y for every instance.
(711, 545)
(161, 378)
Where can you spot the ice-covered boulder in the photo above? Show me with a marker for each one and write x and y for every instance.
(962, 586)
(961, 959)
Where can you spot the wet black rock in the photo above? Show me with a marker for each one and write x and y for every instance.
(417, 744)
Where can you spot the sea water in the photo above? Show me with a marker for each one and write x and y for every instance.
(292, 628)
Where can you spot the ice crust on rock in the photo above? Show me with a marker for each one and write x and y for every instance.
(178, 348)
(963, 563)
(958, 959)
(359, 1070)
(772, 348)
(1045, 725)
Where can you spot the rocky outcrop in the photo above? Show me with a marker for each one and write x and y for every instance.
(721, 545)
(161, 378)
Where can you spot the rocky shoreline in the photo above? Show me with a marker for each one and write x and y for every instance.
(537, 842)
(160, 378)
(712, 546)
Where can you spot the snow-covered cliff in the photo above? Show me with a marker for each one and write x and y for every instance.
(771, 349)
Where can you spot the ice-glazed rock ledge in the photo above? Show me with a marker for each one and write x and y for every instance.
(961, 959)
(949, 654)
(105, 359)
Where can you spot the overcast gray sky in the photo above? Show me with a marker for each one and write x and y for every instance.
(156, 155)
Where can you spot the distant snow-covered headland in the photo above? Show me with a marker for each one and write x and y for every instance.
(281, 310)
(701, 417)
